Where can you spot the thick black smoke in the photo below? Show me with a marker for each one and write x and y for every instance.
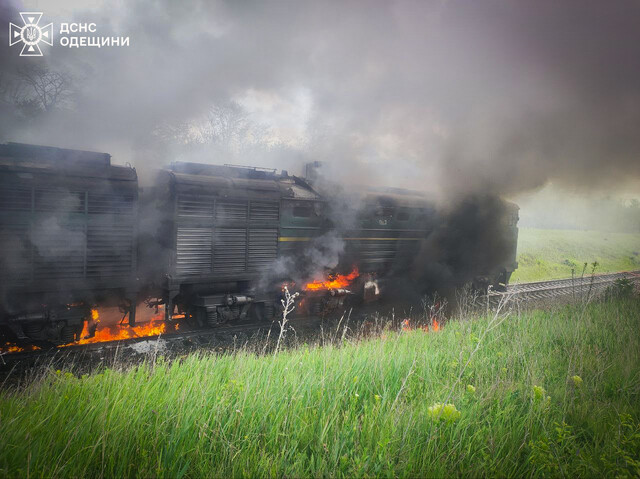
(448, 96)
(472, 238)
(464, 99)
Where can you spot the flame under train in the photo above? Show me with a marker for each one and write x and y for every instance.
(213, 244)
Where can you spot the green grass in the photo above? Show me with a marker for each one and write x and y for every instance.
(551, 254)
(355, 409)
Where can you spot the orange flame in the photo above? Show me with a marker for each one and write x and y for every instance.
(13, 348)
(115, 332)
(406, 325)
(333, 281)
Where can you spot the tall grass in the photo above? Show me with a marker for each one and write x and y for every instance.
(552, 254)
(353, 408)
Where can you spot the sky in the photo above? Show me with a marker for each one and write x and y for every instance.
(449, 97)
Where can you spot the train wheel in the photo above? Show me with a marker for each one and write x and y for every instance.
(67, 334)
(213, 318)
(269, 311)
(33, 330)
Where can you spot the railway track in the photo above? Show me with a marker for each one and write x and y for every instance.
(574, 288)
(140, 345)
(571, 289)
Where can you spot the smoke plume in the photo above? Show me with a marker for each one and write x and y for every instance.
(451, 96)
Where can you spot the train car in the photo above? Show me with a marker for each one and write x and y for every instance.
(401, 242)
(68, 222)
(390, 225)
(215, 235)
(212, 243)
(219, 242)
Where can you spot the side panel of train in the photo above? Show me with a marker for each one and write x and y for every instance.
(67, 239)
(224, 229)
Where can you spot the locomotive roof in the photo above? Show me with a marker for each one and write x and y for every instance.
(48, 159)
(230, 178)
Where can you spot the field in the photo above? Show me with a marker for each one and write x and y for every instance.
(551, 254)
(553, 393)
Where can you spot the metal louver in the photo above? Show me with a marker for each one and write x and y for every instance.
(58, 251)
(230, 250)
(263, 248)
(264, 211)
(193, 251)
(376, 254)
(59, 200)
(195, 206)
(231, 211)
(15, 198)
(109, 249)
(110, 204)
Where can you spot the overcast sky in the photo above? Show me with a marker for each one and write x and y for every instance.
(446, 96)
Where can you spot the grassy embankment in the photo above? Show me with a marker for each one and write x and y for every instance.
(354, 409)
(551, 254)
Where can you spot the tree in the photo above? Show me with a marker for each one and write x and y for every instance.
(48, 89)
(226, 127)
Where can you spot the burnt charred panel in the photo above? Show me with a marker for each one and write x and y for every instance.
(263, 248)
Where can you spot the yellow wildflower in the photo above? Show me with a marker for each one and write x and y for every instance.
(577, 381)
(446, 412)
(538, 393)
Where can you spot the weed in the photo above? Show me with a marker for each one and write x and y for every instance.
(493, 395)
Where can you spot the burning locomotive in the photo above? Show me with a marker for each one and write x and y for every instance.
(213, 244)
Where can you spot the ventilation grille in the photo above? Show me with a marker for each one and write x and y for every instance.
(59, 201)
(230, 250)
(263, 248)
(195, 206)
(375, 255)
(111, 204)
(109, 250)
(227, 211)
(15, 253)
(193, 252)
(264, 211)
(15, 198)
(59, 251)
